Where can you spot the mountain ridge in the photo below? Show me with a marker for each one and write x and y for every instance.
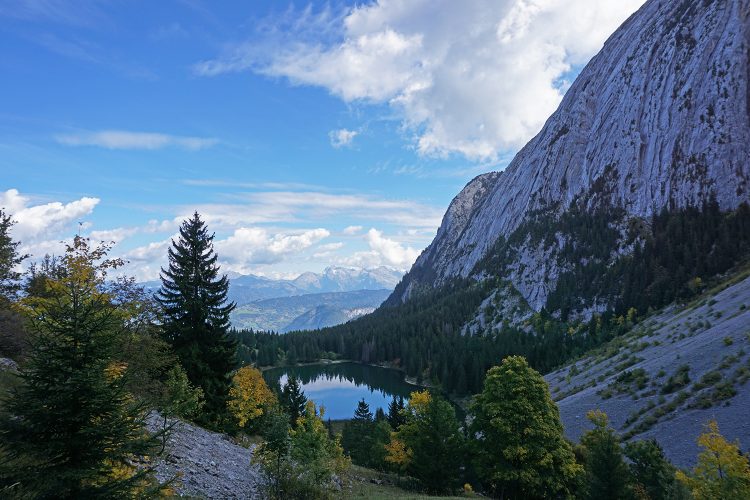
(246, 288)
(659, 118)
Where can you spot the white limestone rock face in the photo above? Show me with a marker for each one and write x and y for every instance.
(660, 117)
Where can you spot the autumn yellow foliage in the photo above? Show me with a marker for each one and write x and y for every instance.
(397, 453)
(418, 401)
(249, 395)
(722, 470)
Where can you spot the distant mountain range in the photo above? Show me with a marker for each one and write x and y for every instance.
(307, 312)
(312, 300)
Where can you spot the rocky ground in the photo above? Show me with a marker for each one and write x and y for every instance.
(671, 374)
(206, 464)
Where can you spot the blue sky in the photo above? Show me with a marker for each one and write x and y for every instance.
(307, 134)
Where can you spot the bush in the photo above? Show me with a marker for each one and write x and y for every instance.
(678, 380)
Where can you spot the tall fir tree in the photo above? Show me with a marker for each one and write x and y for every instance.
(434, 441)
(12, 335)
(9, 260)
(293, 400)
(196, 316)
(396, 416)
(72, 430)
(607, 474)
(356, 437)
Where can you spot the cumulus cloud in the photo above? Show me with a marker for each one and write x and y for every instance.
(342, 137)
(473, 77)
(383, 251)
(351, 230)
(249, 246)
(36, 223)
(122, 139)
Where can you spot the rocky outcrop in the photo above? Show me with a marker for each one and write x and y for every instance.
(205, 464)
(659, 118)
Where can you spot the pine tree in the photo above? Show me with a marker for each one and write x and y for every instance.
(196, 316)
(9, 259)
(356, 437)
(12, 335)
(607, 475)
(652, 472)
(71, 429)
(396, 416)
(517, 435)
(293, 400)
(433, 442)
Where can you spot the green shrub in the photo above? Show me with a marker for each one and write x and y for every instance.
(678, 380)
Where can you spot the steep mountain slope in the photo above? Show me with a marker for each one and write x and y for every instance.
(308, 311)
(669, 375)
(660, 118)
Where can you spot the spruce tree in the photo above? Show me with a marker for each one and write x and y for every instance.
(12, 335)
(72, 430)
(196, 316)
(607, 474)
(356, 437)
(9, 260)
(396, 416)
(293, 400)
(436, 443)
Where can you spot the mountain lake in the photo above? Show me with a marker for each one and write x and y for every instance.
(340, 386)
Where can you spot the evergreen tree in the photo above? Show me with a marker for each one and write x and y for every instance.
(518, 439)
(380, 415)
(356, 437)
(396, 416)
(652, 472)
(433, 442)
(293, 400)
(12, 334)
(9, 260)
(196, 316)
(71, 429)
(607, 474)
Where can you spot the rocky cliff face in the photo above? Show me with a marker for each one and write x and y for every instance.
(659, 118)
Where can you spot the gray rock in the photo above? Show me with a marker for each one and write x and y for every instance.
(206, 464)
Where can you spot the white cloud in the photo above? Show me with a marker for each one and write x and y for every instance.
(122, 139)
(472, 77)
(342, 137)
(351, 230)
(252, 246)
(328, 247)
(313, 206)
(36, 223)
(116, 235)
(383, 251)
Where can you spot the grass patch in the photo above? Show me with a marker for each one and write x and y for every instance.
(367, 483)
